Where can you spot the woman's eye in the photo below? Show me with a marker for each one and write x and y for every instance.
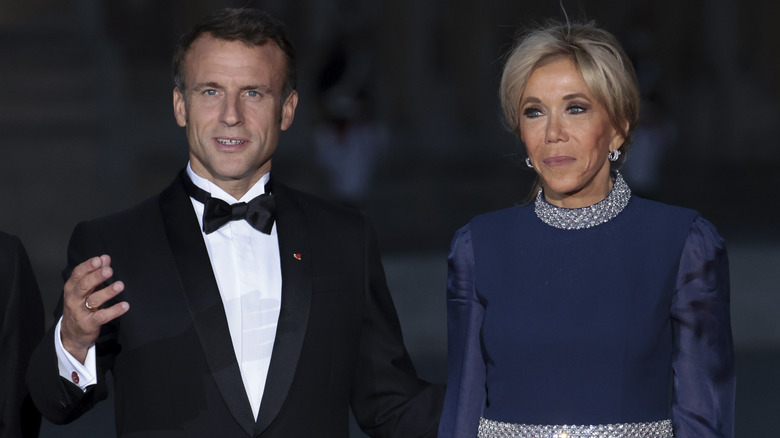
(576, 109)
(532, 112)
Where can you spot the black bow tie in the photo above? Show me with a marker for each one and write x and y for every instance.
(259, 212)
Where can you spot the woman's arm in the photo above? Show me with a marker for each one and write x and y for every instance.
(465, 398)
(703, 357)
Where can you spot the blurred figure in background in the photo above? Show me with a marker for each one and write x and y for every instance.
(348, 145)
(349, 139)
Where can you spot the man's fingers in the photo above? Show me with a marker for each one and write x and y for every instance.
(93, 301)
(90, 265)
(88, 275)
(103, 316)
(82, 315)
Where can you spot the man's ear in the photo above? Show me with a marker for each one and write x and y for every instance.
(288, 110)
(179, 108)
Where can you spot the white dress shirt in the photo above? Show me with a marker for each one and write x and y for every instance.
(247, 269)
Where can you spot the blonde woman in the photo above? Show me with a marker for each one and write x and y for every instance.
(588, 311)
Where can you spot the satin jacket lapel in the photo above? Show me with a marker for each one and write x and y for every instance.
(294, 250)
(202, 295)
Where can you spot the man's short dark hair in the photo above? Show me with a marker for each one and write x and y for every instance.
(251, 26)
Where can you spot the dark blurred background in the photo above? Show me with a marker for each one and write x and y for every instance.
(398, 116)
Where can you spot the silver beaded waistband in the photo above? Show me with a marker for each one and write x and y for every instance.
(497, 429)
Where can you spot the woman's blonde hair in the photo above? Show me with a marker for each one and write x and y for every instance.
(596, 53)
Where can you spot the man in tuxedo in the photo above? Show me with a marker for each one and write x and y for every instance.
(21, 327)
(247, 308)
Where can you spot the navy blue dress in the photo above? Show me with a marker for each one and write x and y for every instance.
(624, 322)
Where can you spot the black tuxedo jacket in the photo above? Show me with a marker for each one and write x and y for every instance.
(21, 328)
(338, 341)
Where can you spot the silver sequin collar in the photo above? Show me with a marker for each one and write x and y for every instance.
(585, 217)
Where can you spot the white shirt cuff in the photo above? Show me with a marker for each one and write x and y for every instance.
(81, 375)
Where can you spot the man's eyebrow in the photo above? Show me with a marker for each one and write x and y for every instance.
(203, 85)
(259, 87)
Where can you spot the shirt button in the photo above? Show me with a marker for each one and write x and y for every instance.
(75, 377)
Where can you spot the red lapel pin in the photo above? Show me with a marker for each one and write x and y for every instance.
(297, 256)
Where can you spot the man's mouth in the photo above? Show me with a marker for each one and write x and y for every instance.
(229, 142)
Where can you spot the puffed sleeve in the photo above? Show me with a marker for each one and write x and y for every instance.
(465, 397)
(703, 358)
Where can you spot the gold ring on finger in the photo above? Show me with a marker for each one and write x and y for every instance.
(86, 304)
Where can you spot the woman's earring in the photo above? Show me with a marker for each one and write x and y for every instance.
(528, 163)
(613, 155)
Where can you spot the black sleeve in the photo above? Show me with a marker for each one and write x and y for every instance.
(21, 327)
(388, 399)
